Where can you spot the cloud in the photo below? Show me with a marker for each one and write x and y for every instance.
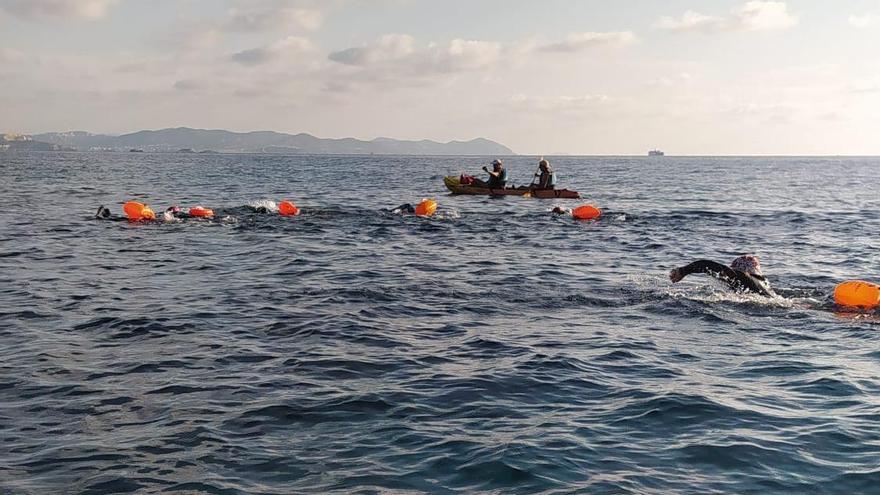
(398, 53)
(557, 104)
(463, 55)
(864, 85)
(286, 48)
(752, 16)
(680, 80)
(863, 21)
(692, 21)
(57, 9)
(576, 42)
(277, 19)
(187, 85)
(387, 48)
(398, 60)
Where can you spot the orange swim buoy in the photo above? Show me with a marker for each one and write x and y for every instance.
(287, 208)
(586, 212)
(136, 212)
(857, 293)
(201, 212)
(426, 208)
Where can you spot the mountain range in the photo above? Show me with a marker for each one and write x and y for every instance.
(187, 139)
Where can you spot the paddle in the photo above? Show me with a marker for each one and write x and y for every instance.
(537, 173)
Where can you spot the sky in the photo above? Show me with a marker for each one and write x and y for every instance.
(695, 77)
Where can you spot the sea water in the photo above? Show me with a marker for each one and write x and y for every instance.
(495, 348)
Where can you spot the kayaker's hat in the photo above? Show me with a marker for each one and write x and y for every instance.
(748, 264)
(496, 162)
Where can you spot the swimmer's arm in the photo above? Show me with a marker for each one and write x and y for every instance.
(712, 268)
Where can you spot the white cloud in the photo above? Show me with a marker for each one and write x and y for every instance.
(765, 16)
(286, 49)
(692, 21)
(458, 55)
(680, 80)
(580, 41)
(398, 61)
(463, 55)
(277, 19)
(865, 85)
(755, 15)
(559, 105)
(57, 9)
(863, 21)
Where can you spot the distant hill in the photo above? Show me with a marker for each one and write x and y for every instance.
(265, 142)
(18, 142)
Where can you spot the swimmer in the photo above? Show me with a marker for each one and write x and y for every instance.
(743, 275)
(560, 211)
(174, 213)
(103, 213)
(257, 209)
(404, 208)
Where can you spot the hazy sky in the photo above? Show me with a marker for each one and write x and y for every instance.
(541, 76)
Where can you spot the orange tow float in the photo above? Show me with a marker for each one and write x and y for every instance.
(426, 208)
(586, 212)
(138, 212)
(857, 294)
(287, 208)
(201, 212)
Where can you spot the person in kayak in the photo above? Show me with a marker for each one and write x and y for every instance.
(743, 275)
(497, 176)
(547, 178)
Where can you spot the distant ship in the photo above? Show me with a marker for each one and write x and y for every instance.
(656, 153)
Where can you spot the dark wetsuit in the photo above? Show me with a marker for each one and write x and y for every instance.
(180, 215)
(494, 182)
(500, 181)
(547, 180)
(404, 208)
(103, 213)
(735, 279)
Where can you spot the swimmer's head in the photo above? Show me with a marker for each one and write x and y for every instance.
(261, 209)
(559, 210)
(747, 263)
(104, 212)
(173, 209)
